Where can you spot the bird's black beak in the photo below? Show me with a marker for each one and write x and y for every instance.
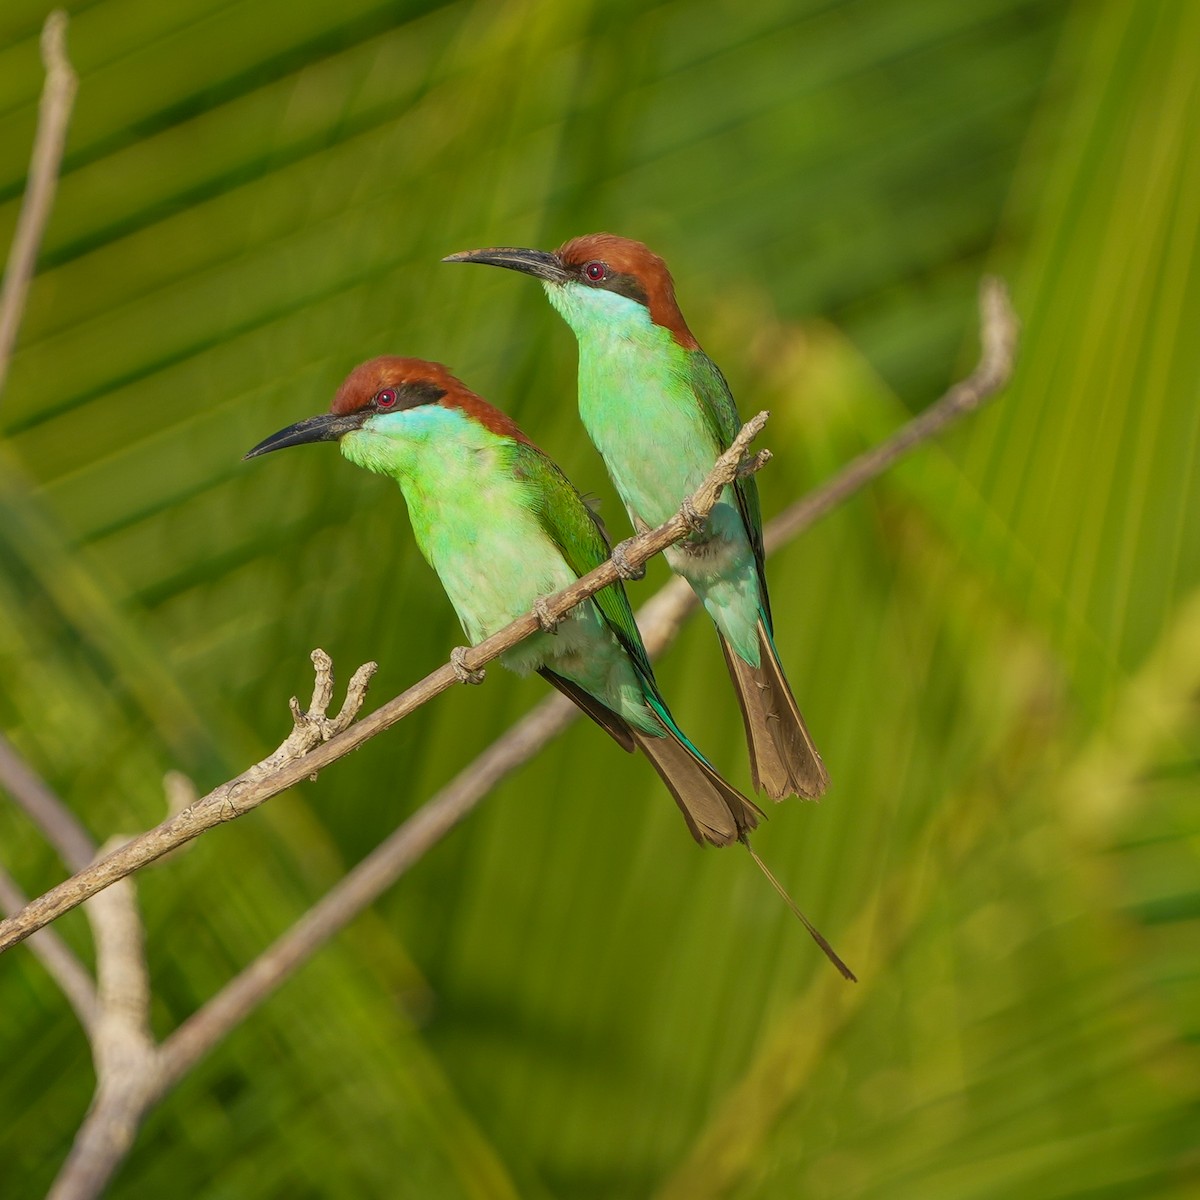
(538, 263)
(328, 427)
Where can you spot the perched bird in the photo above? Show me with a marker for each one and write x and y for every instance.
(503, 527)
(660, 412)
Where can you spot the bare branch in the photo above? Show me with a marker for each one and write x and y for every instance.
(362, 885)
(662, 615)
(57, 957)
(62, 828)
(75, 847)
(999, 330)
(54, 114)
(124, 983)
(659, 621)
(312, 727)
(127, 1059)
(306, 751)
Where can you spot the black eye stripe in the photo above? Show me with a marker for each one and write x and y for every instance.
(407, 395)
(625, 285)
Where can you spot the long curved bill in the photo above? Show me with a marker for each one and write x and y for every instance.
(539, 263)
(328, 427)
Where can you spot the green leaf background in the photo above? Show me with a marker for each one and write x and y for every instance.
(997, 646)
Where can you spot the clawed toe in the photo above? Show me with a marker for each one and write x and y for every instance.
(626, 569)
(695, 522)
(464, 673)
(541, 610)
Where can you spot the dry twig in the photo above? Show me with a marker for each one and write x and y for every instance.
(57, 957)
(54, 114)
(59, 825)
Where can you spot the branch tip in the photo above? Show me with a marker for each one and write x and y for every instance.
(356, 694)
(752, 428)
(1000, 330)
(54, 44)
(754, 463)
(322, 684)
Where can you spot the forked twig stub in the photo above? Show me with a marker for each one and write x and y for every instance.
(311, 726)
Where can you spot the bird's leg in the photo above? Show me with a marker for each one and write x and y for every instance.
(620, 558)
(461, 670)
(548, 623)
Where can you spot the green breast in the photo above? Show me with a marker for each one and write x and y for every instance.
(636, 403)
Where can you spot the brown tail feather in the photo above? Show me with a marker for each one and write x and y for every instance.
(714, 811)
(783, 759)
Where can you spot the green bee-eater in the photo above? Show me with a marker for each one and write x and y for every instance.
(659, 411)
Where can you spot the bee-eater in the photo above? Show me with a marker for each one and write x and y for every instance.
(503, 527)
(659, 411)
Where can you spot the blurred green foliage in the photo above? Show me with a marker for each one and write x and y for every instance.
(997, 647)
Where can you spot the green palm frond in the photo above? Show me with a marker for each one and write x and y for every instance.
(997, 647)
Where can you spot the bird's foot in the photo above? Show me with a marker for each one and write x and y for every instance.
(620, 558)
(694, 521)
(462, 672)
(548, 623)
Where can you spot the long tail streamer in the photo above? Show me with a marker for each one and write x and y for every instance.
(816, 935)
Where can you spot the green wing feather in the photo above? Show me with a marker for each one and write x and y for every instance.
(578, 533)
(721, 415)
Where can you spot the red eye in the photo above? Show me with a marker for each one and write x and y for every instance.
(386, 398)
(595, 271)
